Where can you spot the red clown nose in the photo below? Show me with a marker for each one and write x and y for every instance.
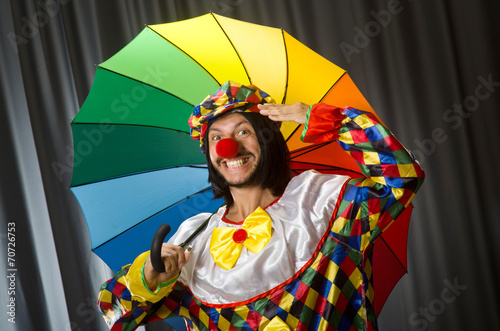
(227, 148)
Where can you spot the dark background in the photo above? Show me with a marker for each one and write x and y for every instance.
(424, 66)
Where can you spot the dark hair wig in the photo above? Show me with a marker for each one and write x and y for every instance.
(273, 170)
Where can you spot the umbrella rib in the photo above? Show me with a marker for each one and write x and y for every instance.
(139, 173)
(234, 48)
(293, 132)
(158, 212)
(308, 149)
(129, 124)
(159, 89)
(392, 252)
(331, 87)
(324, 167)
(286, 85)
(195, 166)
(287, 71)
(180, 49)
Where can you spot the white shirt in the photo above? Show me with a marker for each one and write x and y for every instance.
(300, 219)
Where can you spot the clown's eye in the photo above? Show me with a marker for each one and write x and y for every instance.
(216, 138)
(243, 132)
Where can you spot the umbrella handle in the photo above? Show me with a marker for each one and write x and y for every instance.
(156, 244)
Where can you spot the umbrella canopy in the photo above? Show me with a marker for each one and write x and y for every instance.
(135, 163)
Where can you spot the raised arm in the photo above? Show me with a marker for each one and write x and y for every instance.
(391, 174)
(391, 179)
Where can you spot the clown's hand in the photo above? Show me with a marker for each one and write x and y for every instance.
(174, 258)
(293, 113)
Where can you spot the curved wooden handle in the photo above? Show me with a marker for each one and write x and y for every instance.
(156, 244)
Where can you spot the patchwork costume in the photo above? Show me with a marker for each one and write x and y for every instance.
(304, 262)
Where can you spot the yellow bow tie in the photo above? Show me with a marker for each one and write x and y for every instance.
(226, 243)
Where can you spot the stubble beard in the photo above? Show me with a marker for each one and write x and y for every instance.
(246, 182)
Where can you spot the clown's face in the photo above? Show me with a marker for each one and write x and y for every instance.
(238, 171)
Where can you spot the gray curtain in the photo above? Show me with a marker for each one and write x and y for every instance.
(429, 68)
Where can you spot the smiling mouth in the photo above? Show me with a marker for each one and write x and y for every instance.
(236, 163)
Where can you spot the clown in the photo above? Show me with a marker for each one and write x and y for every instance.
(283, 253)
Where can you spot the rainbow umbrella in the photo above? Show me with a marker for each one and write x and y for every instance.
(135, 163)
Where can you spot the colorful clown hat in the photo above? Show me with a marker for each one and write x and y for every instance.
(230, 96)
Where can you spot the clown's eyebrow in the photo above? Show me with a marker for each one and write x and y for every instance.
(234, 127)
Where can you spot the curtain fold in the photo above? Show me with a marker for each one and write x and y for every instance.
(429, 68)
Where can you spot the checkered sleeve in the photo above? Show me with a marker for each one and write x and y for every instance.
(391, 175)
(125, 301)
